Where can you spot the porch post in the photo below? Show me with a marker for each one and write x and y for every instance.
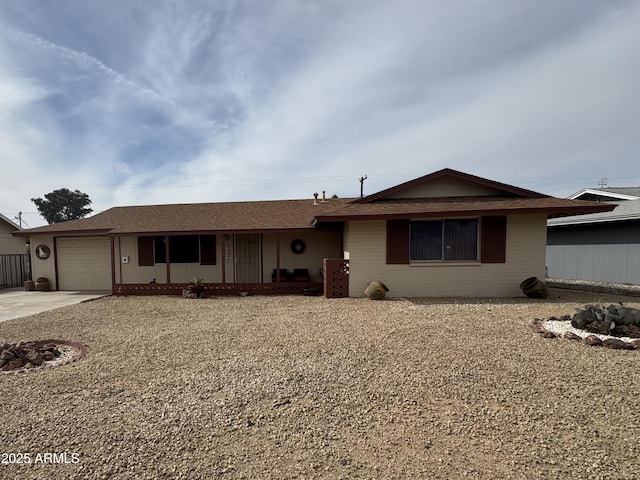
(113, 264)
(166, 250)
(119, 258)
(224, 257)
(277, 258)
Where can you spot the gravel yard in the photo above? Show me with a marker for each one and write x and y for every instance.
(305, 387)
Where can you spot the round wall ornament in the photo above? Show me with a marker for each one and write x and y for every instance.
(43, 252)
(298, 246)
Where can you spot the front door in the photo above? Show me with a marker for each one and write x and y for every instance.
(247, 258)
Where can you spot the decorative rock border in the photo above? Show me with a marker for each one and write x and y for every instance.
(598, 287)
(69, 352)
(590, 339)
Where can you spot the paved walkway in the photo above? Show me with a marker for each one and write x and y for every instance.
(22, 304)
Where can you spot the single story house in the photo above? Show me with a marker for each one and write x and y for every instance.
(444, 234)
(601, 246)
(14, 261)
(9, 244)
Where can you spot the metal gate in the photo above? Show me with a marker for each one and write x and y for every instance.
(15, 269)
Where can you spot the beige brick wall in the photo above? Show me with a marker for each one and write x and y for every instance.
(43, 268)
(525, 257)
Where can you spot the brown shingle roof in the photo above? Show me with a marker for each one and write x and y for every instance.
(281, 215)
(461, 206)
(197, 217)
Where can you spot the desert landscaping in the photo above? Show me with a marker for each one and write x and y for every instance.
(306, 387)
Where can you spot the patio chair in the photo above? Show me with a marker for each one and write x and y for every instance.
(301, 275)
(283, 276)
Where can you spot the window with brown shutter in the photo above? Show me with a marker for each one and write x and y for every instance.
(145, 251)
(493, 244)
(207, 249)
(398, 242)
(448, 240)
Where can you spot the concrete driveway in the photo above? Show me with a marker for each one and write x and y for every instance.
(22, 304)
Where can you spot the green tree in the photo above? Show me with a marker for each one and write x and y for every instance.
(62, 205)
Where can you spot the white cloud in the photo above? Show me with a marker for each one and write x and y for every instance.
(245, 100)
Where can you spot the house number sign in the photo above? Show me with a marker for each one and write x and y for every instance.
(42, 252)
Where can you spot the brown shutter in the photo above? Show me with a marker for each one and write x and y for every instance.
(398, 241)
(493, 243)
(207, 249)
(145, 251)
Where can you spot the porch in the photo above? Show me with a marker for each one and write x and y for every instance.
(283, 263)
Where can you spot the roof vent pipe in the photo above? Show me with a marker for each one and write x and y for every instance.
(324, 198)
(315, 198)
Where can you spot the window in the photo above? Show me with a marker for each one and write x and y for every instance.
(182, 249)
(402, 246)
(444, 240)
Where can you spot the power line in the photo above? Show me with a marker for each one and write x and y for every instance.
(194, 184)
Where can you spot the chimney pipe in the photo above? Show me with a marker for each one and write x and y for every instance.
(324, 199)
(315, 198)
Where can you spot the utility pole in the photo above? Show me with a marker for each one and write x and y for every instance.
(362, 179)
(19, 218)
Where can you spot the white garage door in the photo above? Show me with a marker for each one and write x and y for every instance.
(84, 263)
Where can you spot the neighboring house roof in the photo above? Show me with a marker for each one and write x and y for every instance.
(607, 194)
(11, 224)
(494, 199)
(633, 191)
(196, 217)
(624, 211)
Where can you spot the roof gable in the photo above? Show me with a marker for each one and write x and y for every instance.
(448, 183)
(606, 194)
(12, 226)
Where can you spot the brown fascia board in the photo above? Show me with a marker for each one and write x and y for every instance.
(206, 232)
(62, 233)
(448, 172)
(553, 212)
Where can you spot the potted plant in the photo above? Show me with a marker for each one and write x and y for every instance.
(196, 286)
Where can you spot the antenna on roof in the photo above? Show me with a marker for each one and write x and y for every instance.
(603, 182)
(362, 179)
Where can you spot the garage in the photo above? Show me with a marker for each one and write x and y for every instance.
(84, 263)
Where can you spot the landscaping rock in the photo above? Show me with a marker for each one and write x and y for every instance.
(616, 343)
(633, 331)
(572, 336)
(26, 355)
(12, 365)
(593, 341)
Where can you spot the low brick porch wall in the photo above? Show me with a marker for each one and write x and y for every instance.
(217, 289)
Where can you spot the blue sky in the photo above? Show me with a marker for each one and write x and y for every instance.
(144, 102)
